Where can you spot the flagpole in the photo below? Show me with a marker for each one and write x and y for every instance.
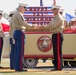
(41, 3)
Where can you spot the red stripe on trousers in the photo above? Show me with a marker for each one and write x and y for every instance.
(0, 43)
(21, 52)
(58, 49)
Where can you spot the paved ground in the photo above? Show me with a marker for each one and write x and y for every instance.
(41, 69)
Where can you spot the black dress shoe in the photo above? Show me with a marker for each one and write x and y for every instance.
(56, 69)
(12, 68)
(20, 70)
(1, 67)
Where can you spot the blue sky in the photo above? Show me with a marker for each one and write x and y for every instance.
(9, 5)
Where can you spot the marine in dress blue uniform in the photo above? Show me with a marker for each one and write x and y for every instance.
(56, 27)
(66, 25)
(19, 36)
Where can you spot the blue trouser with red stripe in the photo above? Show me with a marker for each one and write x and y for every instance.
(57, 40)
(1, 46)
(12, 54)
(19, 37)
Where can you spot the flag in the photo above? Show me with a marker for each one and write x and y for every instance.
(54, 2)
(49, 14)
(5, 24)
(27, 13)
(38, 15)
(5, 27)
(68, 17)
